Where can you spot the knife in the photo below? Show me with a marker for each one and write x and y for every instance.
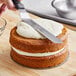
(26, 18)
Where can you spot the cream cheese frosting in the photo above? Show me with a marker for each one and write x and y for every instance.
(25, 30)
(36, 54)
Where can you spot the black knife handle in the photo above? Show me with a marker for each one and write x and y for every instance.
(18, 4)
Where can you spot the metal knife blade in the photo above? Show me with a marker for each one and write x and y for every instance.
(24, 16)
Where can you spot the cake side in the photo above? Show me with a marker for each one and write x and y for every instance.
(40, 62)
(37, 45)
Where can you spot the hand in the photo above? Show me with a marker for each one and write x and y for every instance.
(8, 3)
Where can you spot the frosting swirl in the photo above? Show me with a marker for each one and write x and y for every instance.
(27, 31)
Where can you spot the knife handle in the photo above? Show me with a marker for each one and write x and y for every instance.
(18, 4)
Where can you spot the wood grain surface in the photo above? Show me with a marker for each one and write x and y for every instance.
(9, 68)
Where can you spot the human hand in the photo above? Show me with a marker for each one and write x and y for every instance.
(8, 3)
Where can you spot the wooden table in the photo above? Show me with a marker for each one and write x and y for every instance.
(9, 68)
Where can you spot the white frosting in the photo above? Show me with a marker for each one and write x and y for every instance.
(36, 54)
(26, 30)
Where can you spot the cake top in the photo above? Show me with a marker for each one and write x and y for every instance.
(25, 30)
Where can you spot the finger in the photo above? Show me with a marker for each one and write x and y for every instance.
(10, 4)
(0, 1)
(2, 8)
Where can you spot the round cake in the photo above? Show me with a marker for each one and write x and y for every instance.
(32, 49)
